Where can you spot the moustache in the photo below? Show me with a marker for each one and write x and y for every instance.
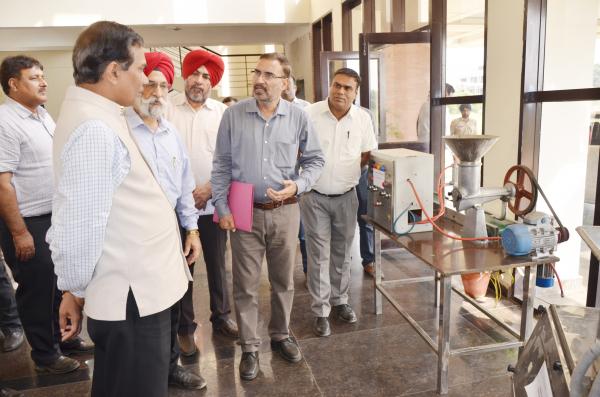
(261, 86)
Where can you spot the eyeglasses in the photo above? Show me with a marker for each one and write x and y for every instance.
(153, 85)
(267, 76)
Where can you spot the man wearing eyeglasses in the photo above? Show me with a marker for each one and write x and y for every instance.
(262, 141)
(165, 154)
(196, 118)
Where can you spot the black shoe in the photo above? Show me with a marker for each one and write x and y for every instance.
(321, 326)
(62, 365)
(13, 339)
(75, 346)
(249, 365)
(345, 313)
(288, 349)
(227, 328)
(185, 379)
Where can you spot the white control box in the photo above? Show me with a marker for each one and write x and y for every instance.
(391, 201)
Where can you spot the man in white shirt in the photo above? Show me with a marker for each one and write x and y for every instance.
(346, 136)
(26, 133)
(463, 125)
(197, 117)
(290, 94)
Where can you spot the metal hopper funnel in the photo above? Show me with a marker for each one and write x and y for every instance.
(470, 148)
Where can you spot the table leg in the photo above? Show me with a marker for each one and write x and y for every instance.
(444, 334)
(436, 287)
(377, 281)
(527, 306)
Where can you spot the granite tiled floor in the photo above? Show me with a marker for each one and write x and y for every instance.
(377, 356)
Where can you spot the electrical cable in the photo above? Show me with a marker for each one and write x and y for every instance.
(440, 193)
(439, 229)
(562, 292)
(412, 224)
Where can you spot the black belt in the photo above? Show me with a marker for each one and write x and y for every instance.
(333, 195)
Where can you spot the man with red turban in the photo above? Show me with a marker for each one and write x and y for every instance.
(166, 155)
(197, 118)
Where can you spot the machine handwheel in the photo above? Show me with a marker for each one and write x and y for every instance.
(526, 191)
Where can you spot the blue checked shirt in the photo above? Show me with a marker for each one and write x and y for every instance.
(165, 154)
(95, 162)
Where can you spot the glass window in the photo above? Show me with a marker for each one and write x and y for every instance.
(417, 14)
(383, 16)
(572, 50)
(357, 25)
(465, 46)
(568, 168)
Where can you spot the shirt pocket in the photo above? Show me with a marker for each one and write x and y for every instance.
(351, 144)
(286, 154)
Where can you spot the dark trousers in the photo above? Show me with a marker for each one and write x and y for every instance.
(214, 241)
(9, 317)
(302, 240)
(131, 356)
(365, 229)
(37, 297)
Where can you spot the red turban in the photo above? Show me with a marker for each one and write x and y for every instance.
(161, 62)
(197, 58)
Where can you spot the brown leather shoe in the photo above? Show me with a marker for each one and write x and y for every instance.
(62, 365)
(75, 346)
(370, 270)
(228, 328)
(187, 345)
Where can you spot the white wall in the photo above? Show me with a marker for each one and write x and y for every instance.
(299, 53)
(503, 88)
(58, 72)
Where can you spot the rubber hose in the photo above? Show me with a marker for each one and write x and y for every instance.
(576, 385)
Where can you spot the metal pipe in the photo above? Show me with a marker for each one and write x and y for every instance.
(562, 339)
(409, 319)
(413, 280)
(508, 328)
(486, 348)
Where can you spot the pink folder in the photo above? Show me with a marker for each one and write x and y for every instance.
(240, 200)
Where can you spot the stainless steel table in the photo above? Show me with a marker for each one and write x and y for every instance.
(449, 257)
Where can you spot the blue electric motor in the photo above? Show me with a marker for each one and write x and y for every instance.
(536, 234)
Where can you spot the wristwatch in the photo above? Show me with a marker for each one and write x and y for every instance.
(193, 232)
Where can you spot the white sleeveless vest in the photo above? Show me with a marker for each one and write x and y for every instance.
(142, 245)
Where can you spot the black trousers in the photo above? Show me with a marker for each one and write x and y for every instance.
(9, 317)
(214, 241)
(37, 297)
(132, 356)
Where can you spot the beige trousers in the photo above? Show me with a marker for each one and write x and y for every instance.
(274, 235)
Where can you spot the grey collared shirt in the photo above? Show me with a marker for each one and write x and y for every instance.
(26, 152)
(264, 152)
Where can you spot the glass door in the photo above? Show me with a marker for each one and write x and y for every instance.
(395, 71)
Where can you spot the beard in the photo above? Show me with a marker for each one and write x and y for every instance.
(196, 94)
(152, 107)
